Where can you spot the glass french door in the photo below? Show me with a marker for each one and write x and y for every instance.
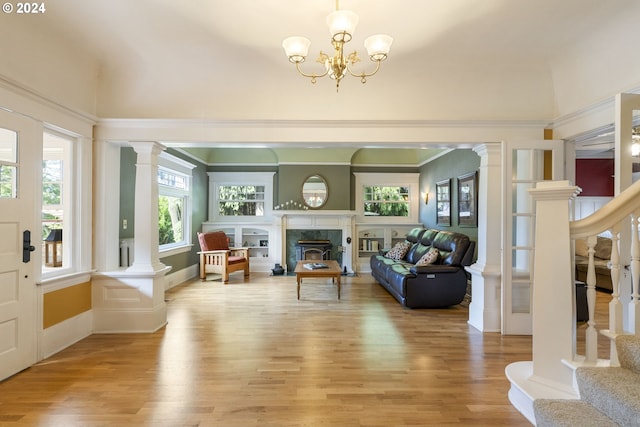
(525, 164)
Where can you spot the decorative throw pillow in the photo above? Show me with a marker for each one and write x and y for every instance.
(581, 248)
(398, 251)
(429, 258)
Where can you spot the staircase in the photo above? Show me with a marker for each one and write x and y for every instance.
(609, 396)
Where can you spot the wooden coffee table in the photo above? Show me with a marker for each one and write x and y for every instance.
(333, 270)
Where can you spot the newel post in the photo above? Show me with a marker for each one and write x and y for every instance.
(554, 325)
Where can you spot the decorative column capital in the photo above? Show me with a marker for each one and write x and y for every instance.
(147, 151)
(554, 190)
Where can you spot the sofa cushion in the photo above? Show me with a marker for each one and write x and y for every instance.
(431, 257)
(428, 237)
(452, 247)
(398, 251)
(415, 235)
(603, 248)
(582, 249)
(416, 252)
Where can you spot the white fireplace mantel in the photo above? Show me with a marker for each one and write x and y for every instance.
(320, 220)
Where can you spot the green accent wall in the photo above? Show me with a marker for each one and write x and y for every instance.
(451, 165)
(127, 190)
(338, 178)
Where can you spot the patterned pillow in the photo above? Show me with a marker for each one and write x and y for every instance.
(429, 258)
(398, 251)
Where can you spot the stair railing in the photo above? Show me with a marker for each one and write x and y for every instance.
(618, 217)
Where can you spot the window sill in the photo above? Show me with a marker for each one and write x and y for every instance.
(52, 283)
(175, 250)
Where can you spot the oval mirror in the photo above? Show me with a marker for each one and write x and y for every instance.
(315, 191)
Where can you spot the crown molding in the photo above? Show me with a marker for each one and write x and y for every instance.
(41, 99)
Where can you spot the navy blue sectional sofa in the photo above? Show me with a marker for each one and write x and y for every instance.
(437, 285)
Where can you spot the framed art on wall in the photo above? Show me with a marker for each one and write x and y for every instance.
(467, 200)
(443, 202)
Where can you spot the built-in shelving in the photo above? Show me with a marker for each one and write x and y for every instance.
(372, 238)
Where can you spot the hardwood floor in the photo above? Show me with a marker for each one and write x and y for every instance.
(250, 354)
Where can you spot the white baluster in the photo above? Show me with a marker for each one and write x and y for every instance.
(634, 316)
(615, 306)
(591, 338)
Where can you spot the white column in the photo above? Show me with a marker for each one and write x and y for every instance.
(484, 310)
(553, 286)
(146, 252)
(130, 300)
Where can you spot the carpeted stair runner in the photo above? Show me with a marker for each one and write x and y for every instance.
(609, 396)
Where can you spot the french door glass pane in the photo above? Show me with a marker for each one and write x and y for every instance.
(8, 163)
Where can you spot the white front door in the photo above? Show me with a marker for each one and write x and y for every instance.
(20, 252)
(524, 166)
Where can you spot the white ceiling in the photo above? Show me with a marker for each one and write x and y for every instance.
(465, 60)
(223, 59)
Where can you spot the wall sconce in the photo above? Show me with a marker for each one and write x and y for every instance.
(425, 197)
(53, 248)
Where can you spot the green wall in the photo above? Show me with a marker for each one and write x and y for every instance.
(451, 165)
(127, 190)
(338, 178)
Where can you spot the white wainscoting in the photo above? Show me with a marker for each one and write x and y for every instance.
(66, 333)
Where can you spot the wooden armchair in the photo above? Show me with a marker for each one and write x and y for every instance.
(217, 257)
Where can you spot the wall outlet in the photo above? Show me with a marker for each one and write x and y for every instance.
(124, 224)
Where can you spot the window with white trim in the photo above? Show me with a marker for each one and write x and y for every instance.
(241, 200)
(383, 200)
(391, 197)
(248, 195)
(58, 224)
(174, 202)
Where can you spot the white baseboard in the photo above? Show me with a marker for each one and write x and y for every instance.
(64, 334)
(181, 276)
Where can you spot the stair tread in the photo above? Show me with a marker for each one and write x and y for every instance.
(628, 347)
(569, 413)
(613, 391)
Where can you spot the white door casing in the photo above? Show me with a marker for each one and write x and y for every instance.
(21, 157)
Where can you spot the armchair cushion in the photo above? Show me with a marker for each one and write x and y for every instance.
(216, 240)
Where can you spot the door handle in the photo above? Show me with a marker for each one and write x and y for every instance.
(27, 248)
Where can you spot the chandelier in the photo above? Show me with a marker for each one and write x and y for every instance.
(342, 25)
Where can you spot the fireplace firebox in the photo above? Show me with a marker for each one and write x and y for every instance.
(313, 249)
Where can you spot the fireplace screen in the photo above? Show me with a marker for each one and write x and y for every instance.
(313, 249)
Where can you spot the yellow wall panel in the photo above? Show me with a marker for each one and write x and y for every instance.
(66, 303)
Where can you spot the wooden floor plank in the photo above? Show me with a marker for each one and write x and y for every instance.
(250, 354)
